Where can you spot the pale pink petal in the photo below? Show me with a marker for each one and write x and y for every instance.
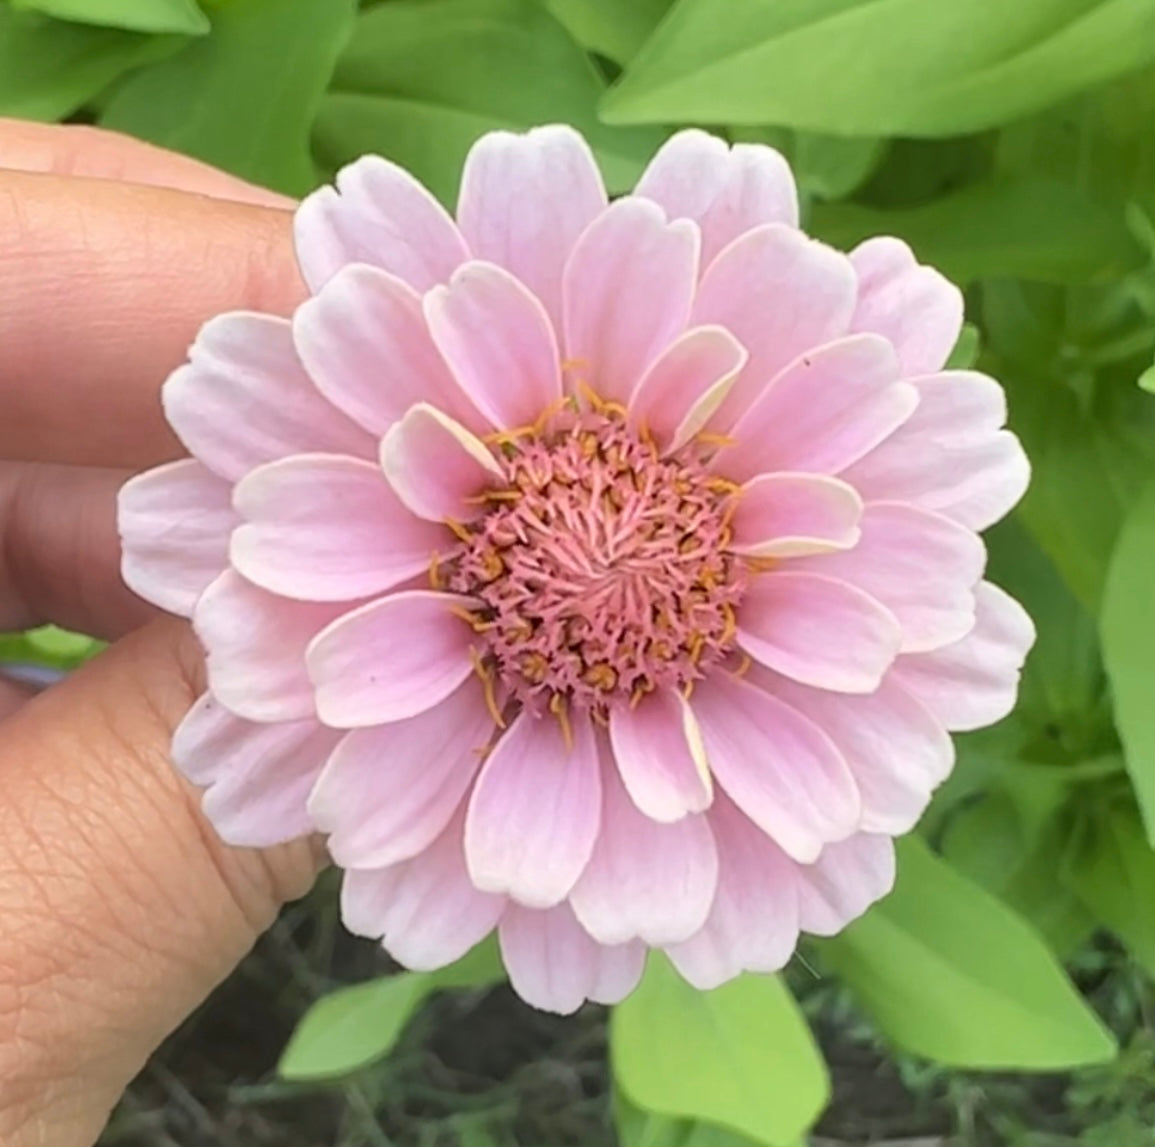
(823, 412)
(325, 527)
(974, 682)
(499, 343)
(915, 307)
(897, 750)
(645, 880)
(555, 965)
(753, 922)
(626, 295)
(686, 385)
(366, 345)
(777, 766)
(257, 777)
(950, 457)
(923, 567)
(174, 524)
(846, 879)
(781, 295)
(659, 754)
(524, 201)
(389, 791)
(535, 810)
(818, 630)
(244, 399)
(436, 466)
(391, 659)
(726, 191)
(380, 215)
(425, 911)
(787, 515)
(255, 644)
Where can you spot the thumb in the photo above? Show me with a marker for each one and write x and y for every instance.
(121, 908)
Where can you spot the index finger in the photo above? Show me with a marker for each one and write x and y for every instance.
(103, 286)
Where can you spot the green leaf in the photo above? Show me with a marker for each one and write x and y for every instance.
(740, 1056)
(1114, 875)
(245, 97)
(1127, 626)
(180, 16)
(1028, 229)
(353, 1027)
(878, 67)
(614, 28)
(49, 68)
(947, 971)
(48, 646)
(967, 349)
(638, 1128)
(422, 79)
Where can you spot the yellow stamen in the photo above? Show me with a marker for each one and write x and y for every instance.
(435, 579)
(708, 438)
(697, 644)
(688, 689)
(723, 486)
(483, 671)
(558, 709)
(731, 623)
(601, 676)
(761, 565)
(743, 666)
(458, 530)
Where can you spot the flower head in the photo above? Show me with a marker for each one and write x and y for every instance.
(603, 573)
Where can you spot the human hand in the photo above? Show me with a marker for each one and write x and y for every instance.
(120, 908)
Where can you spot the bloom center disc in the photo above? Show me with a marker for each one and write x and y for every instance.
(602, 566)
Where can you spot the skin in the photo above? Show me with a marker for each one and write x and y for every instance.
(120, 909)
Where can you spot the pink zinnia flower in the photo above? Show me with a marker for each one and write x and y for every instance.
(603, 573)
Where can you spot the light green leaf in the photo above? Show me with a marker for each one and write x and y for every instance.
(966, 350)
(740, 1056)
(179, 16)
(1147, 380)
(1027, 229)
(49, 68)
(947, 971)
(422, 79)
(1114, 875)
(245, 97)
(638, 1128)
(878, 67)
(1127, 626)
(615, 28)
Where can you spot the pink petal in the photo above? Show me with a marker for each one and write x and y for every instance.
(244, 399)
(255, 644)
(524, 201)
(660, 757)
(554, 965)
(390, 659)
(257, 776)
(897, 750)
(389, 791)
(753, 923)
(845, 880)
(499, 343)
(174, 525)
(781, 295)
(921, 566)
(915, 307)
(726, 191)
(823, 412)
(645, 880)
(787, 515)
(324, 527)
(380, 215)
(974, 682)
(436, 466)
(950, 457)
(365, 342)
(778, 767)
(534, 813)
(686, 385)
(425, 911)
(626, 294)
(818, 630)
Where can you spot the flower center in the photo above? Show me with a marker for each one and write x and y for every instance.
(601, 566)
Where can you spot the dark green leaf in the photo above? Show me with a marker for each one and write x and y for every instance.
(245, 97)
(878, 67)
(949, 972)
(179, 16)
(422, 79)
(740, 1056)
